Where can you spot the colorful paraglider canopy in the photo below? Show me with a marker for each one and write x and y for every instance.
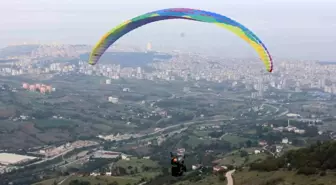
(188, 14)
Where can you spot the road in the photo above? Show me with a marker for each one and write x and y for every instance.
(283, 113)
(187, 124)
(61, 182)
(229, 178)
(60, 155)
(274, 107)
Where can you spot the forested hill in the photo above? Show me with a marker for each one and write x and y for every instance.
(317, 158)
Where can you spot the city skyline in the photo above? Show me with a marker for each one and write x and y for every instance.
(297, 34)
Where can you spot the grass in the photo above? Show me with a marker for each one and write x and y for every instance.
(212, 179)
(136, 163)
(260, 178)
(54, 123)
(121, 180)
(291, 147)
(103, 180)
(251, 132)
(233, 139)
(146, 175)
(194, 141)
(256, 157)
(234, 158)
(200, 133)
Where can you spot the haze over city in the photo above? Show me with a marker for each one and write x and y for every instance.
(292, 29)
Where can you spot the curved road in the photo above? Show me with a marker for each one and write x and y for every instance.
(229, 178)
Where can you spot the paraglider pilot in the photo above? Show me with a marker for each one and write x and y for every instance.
(177, 165)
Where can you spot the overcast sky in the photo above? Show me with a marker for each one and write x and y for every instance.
(290, 28)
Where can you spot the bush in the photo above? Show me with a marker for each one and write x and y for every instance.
(222, 177)
(274, 181)
(323, 173)
(307, 171)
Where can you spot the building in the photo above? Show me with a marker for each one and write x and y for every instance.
(113, 99)
(196, 166)
(285, 141)
(149, 46)
(278, 148)
(125, 157)
(299, 131)
(94, 174)
(126, 89)
(262, 143)
(108, 174)
(291, 115)
(106, 154)
(49, 88)
(180, 151)
(43, 90)
(25, 86)
(257, 151)
(217, 169)
(108, 81)
(32, 87)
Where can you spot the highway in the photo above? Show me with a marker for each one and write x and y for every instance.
(229, 178)
(58, 155)
(186, 124)
(66, 178)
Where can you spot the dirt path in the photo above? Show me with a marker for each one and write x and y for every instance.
(229, 178)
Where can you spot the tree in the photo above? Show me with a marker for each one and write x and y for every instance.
(221, 177)
(230, 167)
(165, 171)
(248, 143)
(243, 153)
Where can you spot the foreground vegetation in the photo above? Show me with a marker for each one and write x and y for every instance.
(281, 177)
(318, 158)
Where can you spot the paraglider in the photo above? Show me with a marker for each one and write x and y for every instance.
(182, 13)
(177, 165)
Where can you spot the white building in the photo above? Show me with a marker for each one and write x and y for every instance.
(285, 141)
(291, 115)
(299, 131)
(126, 89)
(108, 81)
(125, 157)
(278, 148)
(256, 151)
(94, 174)
(113, 99)
(108, 173)
(106, 154)
(196, 166)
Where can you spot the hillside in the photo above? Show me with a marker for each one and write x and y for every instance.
(314, 165)
(318, 158)
(281, 177)
(17, 50)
